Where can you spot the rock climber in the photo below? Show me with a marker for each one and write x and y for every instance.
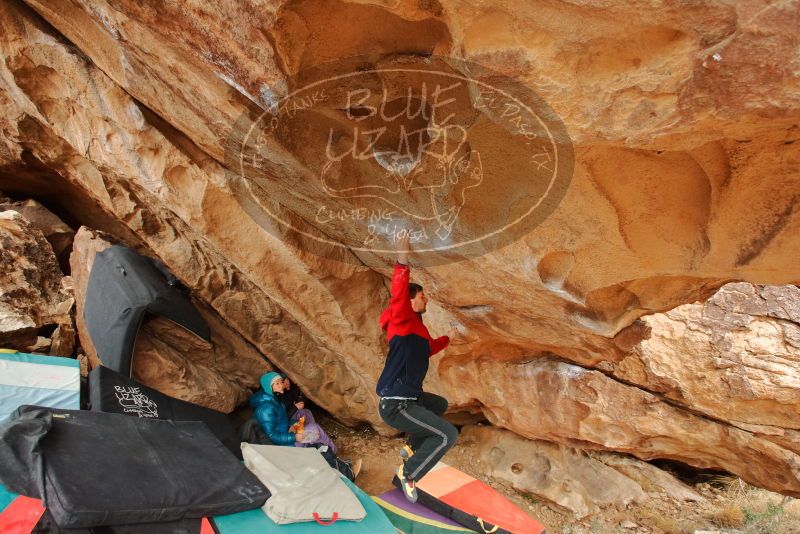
(403, 404)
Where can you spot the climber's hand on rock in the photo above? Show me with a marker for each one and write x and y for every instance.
(402, 248)
(452, 334)
(456, 334)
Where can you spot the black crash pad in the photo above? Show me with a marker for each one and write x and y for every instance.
(47, 525)
(123, 286)
(93, 468)
(112, 392)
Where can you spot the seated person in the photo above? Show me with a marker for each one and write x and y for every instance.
(289, 397)
(294, 401)
(271, 415)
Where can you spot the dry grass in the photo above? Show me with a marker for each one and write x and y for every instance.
(668, 524)
(729, 515)
(657, 518)
(753, 510)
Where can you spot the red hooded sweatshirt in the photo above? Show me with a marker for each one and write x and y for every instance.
(410, 343)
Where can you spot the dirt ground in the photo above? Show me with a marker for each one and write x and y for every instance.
(731, 507)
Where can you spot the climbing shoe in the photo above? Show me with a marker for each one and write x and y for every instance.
(406, 452)
(407, 485)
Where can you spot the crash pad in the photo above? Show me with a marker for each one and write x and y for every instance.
(257, 522)
(94, 468)
(18, 514)
(36, 379)
(113, 392)
(414, 518)
(6, 497)
(123, 286)
(47, 525)
(28, 515)
(472, 503)
(302, 484)
(184, 526)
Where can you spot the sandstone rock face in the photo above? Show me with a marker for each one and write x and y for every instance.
(36, 300)
(676, 113)
(735, 358)
(583, 483)
(661, 249)
(219, 375)
(585, 408)
(283, 301)
(57, 233)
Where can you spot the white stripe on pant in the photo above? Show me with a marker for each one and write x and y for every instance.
(435, 451)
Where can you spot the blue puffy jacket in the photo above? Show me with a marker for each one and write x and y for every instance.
(271, 415)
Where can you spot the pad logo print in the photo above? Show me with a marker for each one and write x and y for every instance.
(133, 400)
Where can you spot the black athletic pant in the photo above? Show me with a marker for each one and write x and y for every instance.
(429, 436)
(343, 466)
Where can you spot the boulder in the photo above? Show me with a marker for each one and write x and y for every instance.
(36, 300)
(552, 400)
(57, 233)
(735, 358)
(583, 482)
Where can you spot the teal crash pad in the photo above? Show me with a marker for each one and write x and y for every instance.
(257, 522)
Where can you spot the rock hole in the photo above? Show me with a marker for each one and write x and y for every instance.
(554, 268)
(310, 32)
(46, 330)
(496, 454)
